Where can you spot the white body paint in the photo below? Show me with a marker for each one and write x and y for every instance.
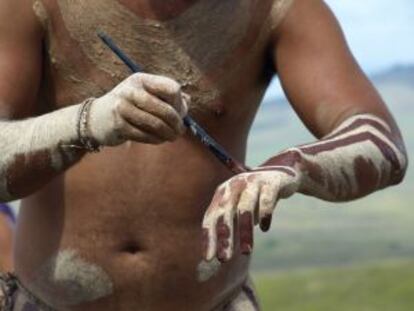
(207, 269)
(47, 132)
(107, 124)
(170, 48)
(263, 189)
(68, 280)
(329, 174)
(133, 99)
(338, 163)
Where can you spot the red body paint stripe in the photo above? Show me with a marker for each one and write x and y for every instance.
(388, 153)
(361, 122)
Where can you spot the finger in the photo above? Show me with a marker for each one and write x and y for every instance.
(224, 201)
(186, 104)
(147, 122)
(225, 233)
(209, 225)
(246, 232)
(223, 236)
(155, 106)
(130, 132)
(235, 188)
(166, 89)
(267, 203)
(246, 208)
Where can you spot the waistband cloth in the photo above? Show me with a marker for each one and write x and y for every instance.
(15, 297)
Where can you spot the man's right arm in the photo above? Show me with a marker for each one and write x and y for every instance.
(143, 108)
(20, 72)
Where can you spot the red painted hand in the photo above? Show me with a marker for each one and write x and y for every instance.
(242, 202)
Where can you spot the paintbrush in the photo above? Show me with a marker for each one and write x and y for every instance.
(218, 151)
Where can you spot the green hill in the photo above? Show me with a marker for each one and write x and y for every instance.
(385, 287)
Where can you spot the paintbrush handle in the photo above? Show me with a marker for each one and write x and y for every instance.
(118, 52)
(220, 153)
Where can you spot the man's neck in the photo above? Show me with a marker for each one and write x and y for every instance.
(161, 10)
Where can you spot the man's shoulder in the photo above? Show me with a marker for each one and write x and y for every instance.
(18, 16)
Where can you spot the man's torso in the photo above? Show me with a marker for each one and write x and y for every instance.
(124, 225)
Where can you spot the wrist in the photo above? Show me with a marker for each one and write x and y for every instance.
(79, 138)
(291, 158)
(85, 137)
(292, 162)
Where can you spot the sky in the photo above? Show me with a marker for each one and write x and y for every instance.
(379, 32)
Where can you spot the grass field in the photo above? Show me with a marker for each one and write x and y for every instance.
(380, 287)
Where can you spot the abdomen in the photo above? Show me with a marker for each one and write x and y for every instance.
(122, 230)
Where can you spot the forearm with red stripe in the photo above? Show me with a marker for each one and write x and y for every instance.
(362, 155)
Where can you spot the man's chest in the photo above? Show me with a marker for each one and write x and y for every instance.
(198, 43)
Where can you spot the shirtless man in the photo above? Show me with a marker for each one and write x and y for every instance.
(134, 227)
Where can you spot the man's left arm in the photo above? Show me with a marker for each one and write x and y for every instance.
(359, 151)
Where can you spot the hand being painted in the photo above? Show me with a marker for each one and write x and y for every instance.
(143, 108)
(242, 202)
(363, 154)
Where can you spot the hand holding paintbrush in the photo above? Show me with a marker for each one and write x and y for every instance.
(218, 151)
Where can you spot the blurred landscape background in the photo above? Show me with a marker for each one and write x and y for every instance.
(353, 256)
(356, 256)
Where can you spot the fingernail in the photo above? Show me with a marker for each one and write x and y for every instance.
(266, 223)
